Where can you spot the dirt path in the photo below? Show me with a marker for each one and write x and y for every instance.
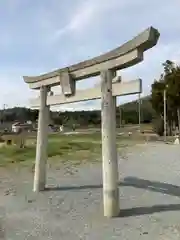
(71, 208)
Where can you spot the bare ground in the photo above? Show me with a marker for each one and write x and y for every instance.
(71, 208)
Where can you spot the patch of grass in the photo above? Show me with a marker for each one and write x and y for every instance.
(63, 148)
(75, 137)
(73, 149)
(14, 154)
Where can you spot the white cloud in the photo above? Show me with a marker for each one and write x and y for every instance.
(81, 18)
(88, 13)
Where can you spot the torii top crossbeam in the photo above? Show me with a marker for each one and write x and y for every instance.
(124, 56)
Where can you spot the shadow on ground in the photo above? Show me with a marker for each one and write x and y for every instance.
(69, 188)
(154, 186)
(148, 210)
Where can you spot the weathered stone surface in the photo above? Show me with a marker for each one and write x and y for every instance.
(118, 89)
(142, 42)
(67, 83)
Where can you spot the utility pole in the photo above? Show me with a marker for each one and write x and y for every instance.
(165, 129)
(120, 116)
(3, 112)
(139, 105)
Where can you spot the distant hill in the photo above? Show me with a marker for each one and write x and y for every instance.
(130, 110)
(129, 114)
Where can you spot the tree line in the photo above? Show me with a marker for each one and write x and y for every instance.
(129, 115)
(168, 86)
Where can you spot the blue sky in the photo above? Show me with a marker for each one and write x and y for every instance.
(42, 35)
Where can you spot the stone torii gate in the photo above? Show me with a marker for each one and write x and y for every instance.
(106, 66)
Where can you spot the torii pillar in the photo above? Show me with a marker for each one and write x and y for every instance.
(42, 141)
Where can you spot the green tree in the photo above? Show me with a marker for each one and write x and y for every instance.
(170, 82)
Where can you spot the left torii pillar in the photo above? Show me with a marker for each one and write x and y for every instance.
(42, 141)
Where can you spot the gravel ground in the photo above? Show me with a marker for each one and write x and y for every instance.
(71, 208)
